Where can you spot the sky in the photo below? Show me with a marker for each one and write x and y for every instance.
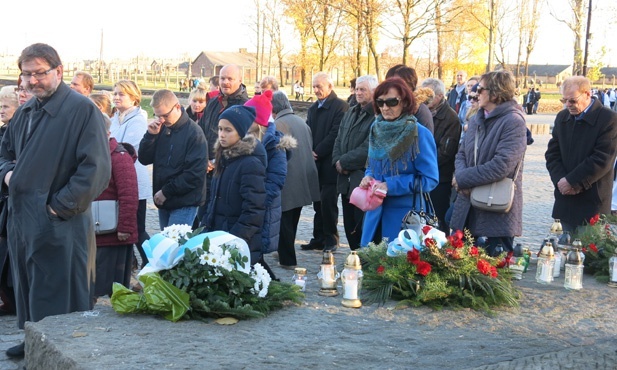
(133, 28)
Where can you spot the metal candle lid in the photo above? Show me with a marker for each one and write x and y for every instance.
(328, 258)
(353, 261)
(574, 257)
(547, 250)
(556, 227)
(300, 271)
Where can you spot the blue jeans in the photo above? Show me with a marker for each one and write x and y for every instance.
(178, 216)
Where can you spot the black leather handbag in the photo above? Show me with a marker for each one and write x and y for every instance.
(420, 214)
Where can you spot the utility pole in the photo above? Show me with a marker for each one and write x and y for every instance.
(101, 57)
(587, 38)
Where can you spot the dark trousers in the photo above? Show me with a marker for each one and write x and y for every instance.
(141, 229)
(326, 216)
(529, 108)
(352, 220)
(440, 196)
(287, 236)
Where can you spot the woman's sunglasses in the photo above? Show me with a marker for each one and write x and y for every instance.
(391, 102)
(472, 98)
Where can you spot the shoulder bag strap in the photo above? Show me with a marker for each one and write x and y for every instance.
(475, 156)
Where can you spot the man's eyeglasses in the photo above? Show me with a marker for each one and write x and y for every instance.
(472, 98)
(165, 116)
(570, 101)
(391, 102)
(481, 88)
(38, 75)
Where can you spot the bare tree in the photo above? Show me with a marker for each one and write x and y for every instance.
(575, 23)
(326, 28)
(410, 19)
(372, 24)
(532, 35)
(448, 30)
(302, 13)
(273, 26)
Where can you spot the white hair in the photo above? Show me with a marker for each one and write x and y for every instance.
(370, 80)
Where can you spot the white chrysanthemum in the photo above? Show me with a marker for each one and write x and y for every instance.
(176, 232)
(217, 257)
(262, 280)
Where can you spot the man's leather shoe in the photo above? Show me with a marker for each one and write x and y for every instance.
(17, 351)
(311, 246)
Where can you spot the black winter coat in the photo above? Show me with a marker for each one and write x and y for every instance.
(324, 123)
(64, 164)
(179, 159)
(583, 151)
(351, 147)
(209, 122)
(447, 135)
(238, 194)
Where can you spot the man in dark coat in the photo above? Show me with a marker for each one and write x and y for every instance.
(530, 100)
(231, 92)
(447, 135)
(537, 100)
(55, 161)
(581, 154)
(178, 152)
(458, 93)
(350, 153)
(324, 117)
(301, 185)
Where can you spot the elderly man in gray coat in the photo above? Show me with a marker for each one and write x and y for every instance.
(350, 153)
(301, 185)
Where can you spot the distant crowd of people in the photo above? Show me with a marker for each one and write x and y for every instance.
(248, 166)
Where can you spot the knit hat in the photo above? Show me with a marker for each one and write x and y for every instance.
(263, 106)
(241, 117)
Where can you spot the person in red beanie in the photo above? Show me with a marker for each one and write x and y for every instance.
(278, 148)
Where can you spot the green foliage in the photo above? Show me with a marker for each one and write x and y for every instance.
(220, 293)
(599, 238)
(456, 279)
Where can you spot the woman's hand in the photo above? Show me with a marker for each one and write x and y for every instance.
(365, 181)
(381, 186)
(123, 236)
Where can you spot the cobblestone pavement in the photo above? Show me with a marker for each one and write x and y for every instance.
(538, 199)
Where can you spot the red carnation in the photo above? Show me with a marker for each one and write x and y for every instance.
(380, 270)
(413, 256)
(455, 241)
(423, 268)
(426, 229)
(593, 247)
(584, 250)
(458, 234)
(502, 263)
(494, 272)
(474, 251)
(594, 219)
(484, 267)
(430, 242)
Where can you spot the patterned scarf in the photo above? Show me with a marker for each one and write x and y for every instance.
(391, 140)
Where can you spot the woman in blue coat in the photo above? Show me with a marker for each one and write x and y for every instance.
(238, 192)
(401, 150)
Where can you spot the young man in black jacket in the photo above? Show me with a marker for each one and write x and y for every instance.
(177, 149)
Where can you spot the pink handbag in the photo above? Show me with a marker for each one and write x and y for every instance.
(367, 199)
